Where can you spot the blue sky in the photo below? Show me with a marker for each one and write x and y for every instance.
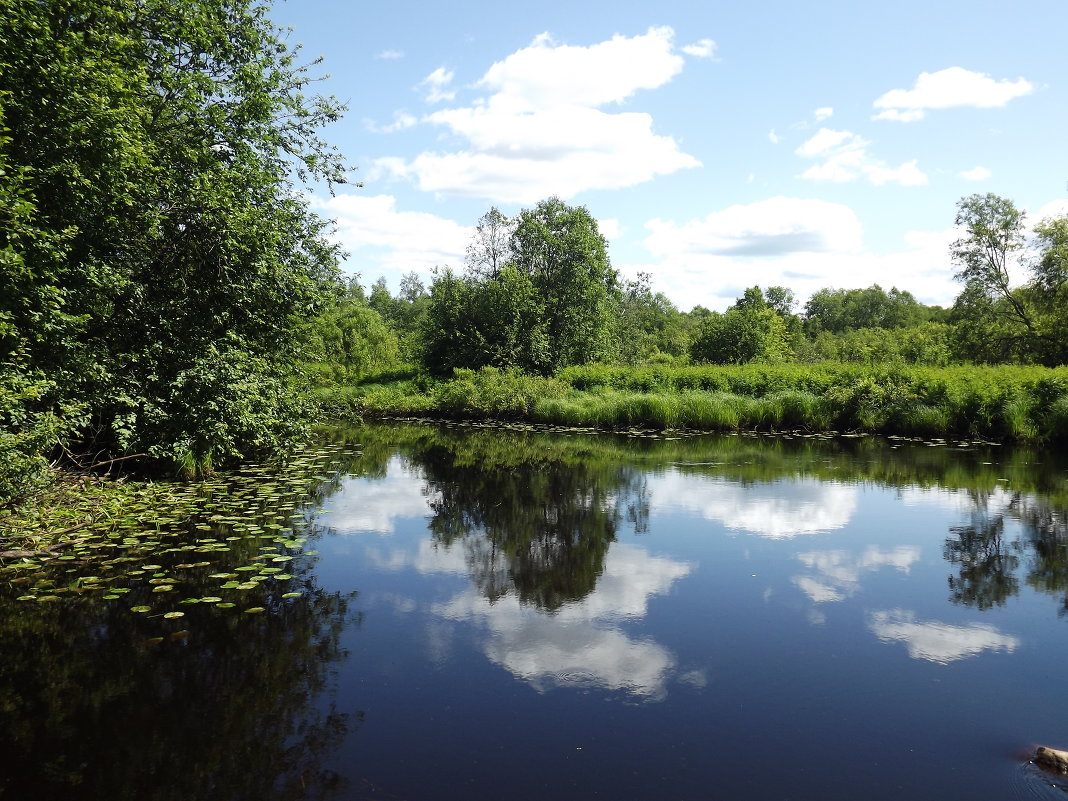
(719, 144)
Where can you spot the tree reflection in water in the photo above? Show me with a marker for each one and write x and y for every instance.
(231, 709)
(989, 561)
(534, 526)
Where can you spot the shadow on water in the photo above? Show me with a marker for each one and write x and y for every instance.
(135, 694)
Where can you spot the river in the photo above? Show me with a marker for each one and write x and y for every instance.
(470, 612)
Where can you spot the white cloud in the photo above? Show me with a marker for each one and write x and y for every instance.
(775, 226)
(710, 261)
(436, 84)
(949, 88)
(901, 116)
(844, 157)
(823, 113)
(1055, 208)
(705, 48)
(829, 141)
(381, 238)
(976, 174)
(610, 228)
(935, 641)
(773, 137)
(546, 75)
(907, 174)
(390, 55)
(540, 131)
(402, 120)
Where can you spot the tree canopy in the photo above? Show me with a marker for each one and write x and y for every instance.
(156, 254)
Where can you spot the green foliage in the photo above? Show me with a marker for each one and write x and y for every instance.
(649, 327)
(548, 305)
(349, 340)
(925, 344)
(153, 239)
(562, 251)
(1005, 403)
(995, 321)
(26, 431)
(742, 334)
(840, 310)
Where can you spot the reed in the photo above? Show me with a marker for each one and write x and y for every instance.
(1003, 403)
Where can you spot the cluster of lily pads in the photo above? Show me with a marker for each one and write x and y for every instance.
(229, 542)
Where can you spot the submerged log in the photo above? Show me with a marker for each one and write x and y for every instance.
(1051, 759)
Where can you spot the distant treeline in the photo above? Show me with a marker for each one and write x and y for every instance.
(538, 294)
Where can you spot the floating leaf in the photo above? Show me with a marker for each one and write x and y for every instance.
(140, 608)
(225, 605)
(173, 615)
(163, 588)
(291, 595)
(210, 599)
(254, 610)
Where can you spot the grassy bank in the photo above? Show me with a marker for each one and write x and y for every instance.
(998, 403)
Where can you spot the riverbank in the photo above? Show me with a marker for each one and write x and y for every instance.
(1016, 404)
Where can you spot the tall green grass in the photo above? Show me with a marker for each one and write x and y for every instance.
(1002, 403)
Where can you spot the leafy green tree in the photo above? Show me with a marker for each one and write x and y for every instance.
(996, 321)
(1049, 294)
(349, 340)
(450, 339)
(741, 334)
(551, 304)
(993, 318)
(648, 324)
(562, 251)
(838, 310)
(154, 151)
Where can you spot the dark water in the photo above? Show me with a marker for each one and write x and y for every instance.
(521, 615)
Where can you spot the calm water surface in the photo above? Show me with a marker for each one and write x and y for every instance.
(532, 615)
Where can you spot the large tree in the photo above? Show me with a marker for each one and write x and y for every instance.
(157, 253)
(562, 250)
(997, 321)
(550, 303)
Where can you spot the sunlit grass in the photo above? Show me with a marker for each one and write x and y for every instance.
(1003, 403)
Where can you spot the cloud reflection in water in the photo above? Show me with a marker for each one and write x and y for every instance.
(935, 641)
(777, 509)
(579, 646)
